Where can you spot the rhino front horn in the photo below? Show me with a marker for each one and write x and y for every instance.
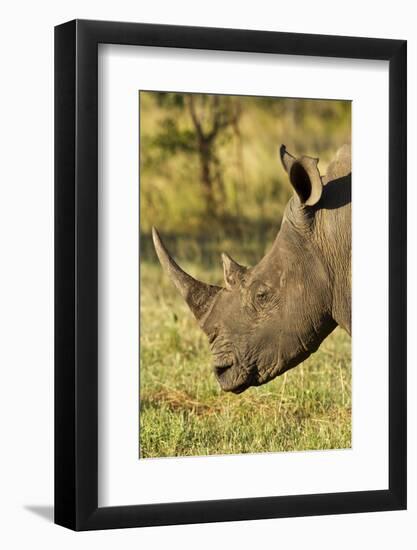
(199, 296)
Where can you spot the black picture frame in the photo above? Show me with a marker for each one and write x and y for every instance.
(76, 272)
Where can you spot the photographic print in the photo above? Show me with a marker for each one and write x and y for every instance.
(203, 275)
(245, 274)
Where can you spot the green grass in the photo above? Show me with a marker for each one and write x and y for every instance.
(183, 412)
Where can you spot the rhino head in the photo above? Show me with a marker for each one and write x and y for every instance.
(269, 318)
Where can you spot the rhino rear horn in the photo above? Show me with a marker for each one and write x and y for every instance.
(233, 272)
(304, 176)
(199, 296)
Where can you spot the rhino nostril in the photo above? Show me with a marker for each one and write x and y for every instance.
(221, 369)
(212, 337)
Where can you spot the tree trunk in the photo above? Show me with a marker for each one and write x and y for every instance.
(205, 154)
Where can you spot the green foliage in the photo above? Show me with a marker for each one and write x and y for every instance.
(249, 183)
(171, 139)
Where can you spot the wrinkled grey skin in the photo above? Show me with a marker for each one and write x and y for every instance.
(271, 317)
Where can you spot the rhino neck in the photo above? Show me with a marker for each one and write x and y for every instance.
(331, 233)
(298, 270)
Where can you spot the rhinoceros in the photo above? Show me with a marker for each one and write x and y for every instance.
(269, 318)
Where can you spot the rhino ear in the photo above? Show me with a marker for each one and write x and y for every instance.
(286, 159)
(233, 272)
(304, 176)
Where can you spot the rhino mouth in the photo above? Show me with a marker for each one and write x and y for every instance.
(231, 379)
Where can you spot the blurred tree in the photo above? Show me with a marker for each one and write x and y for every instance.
(211, 117)
(208, 159)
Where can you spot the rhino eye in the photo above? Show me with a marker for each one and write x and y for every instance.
(262, 295)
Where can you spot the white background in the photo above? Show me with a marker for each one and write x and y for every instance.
(123, 479)
(26, 286)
